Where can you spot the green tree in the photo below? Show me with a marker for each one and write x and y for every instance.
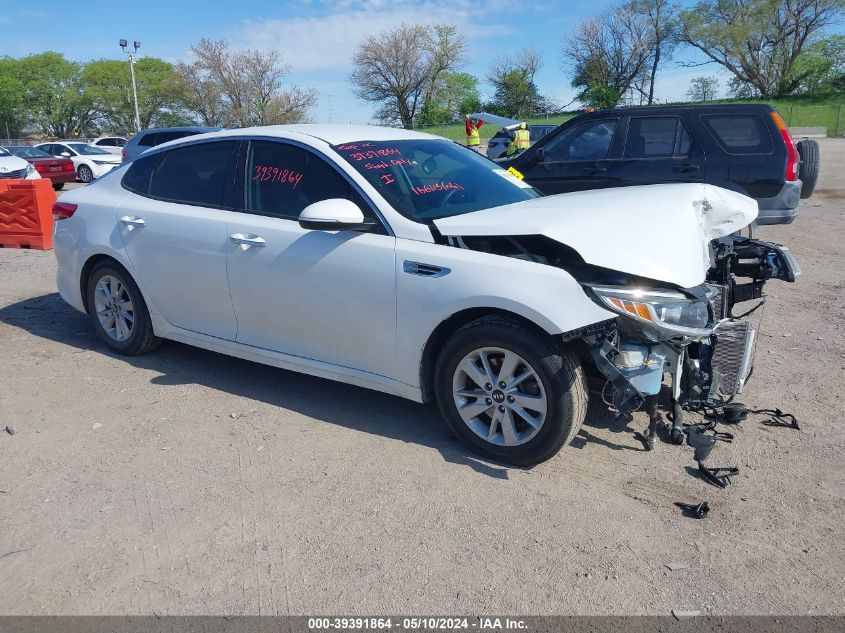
(108, 86)
(54, 94)
(821, 66)
(703, 89)
(515, 91)
(13, 113)
(759, 41)
(454, 95)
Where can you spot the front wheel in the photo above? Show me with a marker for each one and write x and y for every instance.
(118, 310)
(85, 174)
(509, 392)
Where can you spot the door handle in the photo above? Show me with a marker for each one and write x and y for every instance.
(248, 239)
(686, 168)
(131, 220)
(594, 170)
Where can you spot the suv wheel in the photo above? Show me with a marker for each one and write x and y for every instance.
(808, 170)
(508, 392)
(118, 310)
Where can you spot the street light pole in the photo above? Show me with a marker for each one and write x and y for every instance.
(131, 55)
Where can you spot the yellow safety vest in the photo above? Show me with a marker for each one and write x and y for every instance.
(523, 139)
(473, 138)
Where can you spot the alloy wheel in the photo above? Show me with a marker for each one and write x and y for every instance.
(114, 308)
(499, 396)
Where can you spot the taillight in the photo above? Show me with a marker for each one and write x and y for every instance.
(792, 157)
(124, 154)
(68, 166)
(63, 210)
(40, 168)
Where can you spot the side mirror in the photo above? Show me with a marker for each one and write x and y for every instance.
(540, 154)
(65, 154)
(334, 214)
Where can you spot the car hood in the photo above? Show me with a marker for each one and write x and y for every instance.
(661, 232)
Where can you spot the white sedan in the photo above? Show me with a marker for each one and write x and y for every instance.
(406, 263)
(90, 162)
(12, 166)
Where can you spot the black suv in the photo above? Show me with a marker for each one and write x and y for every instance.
(743, 147)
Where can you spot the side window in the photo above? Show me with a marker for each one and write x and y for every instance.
(740, 133)
(656, 137)
(137, 177)
(283, 179)
(589, 140)
(148, 140)
(195, 174)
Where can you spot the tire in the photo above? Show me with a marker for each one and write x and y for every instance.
(85, 174)
(58, 186)
(808, 170)
(558, 380)
(110, 287)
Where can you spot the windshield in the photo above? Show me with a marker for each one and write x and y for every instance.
(426, 179)
(86, 150)
(3, 152)
(29, 152)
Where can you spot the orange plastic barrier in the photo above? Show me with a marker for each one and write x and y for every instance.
(26, 213)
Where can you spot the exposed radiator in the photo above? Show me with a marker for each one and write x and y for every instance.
(732, 359)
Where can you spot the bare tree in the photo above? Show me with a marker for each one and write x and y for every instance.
(661, 17)
(512, 78)
(242, 88)
(703, 89)
(399, 69)
(758, 41)
(611, 52)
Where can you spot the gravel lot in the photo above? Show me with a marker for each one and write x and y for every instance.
(185, 482)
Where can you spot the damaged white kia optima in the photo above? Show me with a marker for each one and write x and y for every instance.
(405, 263)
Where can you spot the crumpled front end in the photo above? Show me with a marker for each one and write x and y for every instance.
(694, 334)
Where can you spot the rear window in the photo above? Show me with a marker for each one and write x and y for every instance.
(740, 133)
(656, 137)
(137, 177)
(148, 140)
(195, 174)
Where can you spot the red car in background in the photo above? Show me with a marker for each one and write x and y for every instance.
(58, 170)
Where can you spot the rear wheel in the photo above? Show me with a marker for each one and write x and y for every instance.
(118, 311)
(58, 186)
(808, 171)
(85, 174)
(509, 392)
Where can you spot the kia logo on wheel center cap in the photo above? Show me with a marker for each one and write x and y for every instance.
(498, 396)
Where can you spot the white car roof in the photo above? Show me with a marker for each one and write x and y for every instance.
(332, 134)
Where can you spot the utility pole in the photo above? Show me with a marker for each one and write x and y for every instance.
(131, 56)
(331, 108)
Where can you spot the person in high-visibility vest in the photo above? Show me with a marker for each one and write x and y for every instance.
(520, 140)
(473, 137)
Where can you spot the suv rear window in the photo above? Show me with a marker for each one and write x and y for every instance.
(740, 133)
(148, 140)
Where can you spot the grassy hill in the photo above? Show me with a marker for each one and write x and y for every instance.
(800, 111)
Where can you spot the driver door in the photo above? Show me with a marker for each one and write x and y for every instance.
(323, 295)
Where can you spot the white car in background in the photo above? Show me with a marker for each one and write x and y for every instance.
(90, 162)
(112, 144)
(13, 167)
(403, 262)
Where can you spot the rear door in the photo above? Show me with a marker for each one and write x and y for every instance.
(173, 227)
(658, 149)
(578, 158)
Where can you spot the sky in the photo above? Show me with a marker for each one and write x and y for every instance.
(318, 38)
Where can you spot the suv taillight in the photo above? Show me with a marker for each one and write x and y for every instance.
(123, 154)
(792, 158)
(63, 210)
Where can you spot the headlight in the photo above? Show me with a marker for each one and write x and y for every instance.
(665, 309)
(28, 170)
(103, 162)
